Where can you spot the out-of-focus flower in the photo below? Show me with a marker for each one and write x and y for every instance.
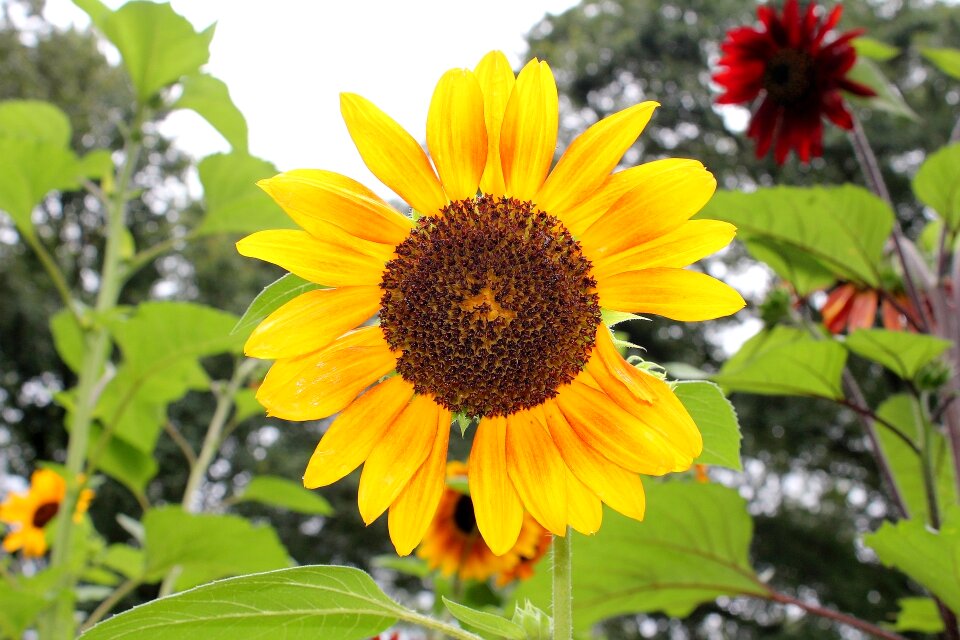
(849, 307)
(28, 513)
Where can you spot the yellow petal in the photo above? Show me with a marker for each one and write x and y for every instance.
(616, 486)
(656, 206)
(606, 362)
(673, 293)
(397, 457)
(590, 158)
(320, 384)
(693, 240)
(496, 504)
(312, 196)
(457, 134)
(351, 437)
(528, 137)
(412, 512)
(315, 260)
(583, 506)
(311, 321)
(536, 470)
(392, 154)
(496, 81)
(47, 486)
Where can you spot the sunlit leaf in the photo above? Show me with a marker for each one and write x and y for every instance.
(234, 203)
(937, 184)
(273, 296)
(888, 97)
(286, 494)
(125, 560)
(333, 603)
(946, 59)
(67, 338)
(210, 98)
(717, 421)
(692, 547)
(792, 264)
(785, 361)
(918, 614)
(902, 352)
(123, 461)
(485, 622)
(17, 610)
(874, 49)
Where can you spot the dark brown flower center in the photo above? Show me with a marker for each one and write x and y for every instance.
(491, 304)
(45, 513)
(464, 517)
(789, 76)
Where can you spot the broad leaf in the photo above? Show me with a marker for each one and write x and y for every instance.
(874, 49)
(210, 98)
(234, 202)
(485, 622)
(785, 361)
(286, 494)
(692, 547)
(796, 266)
(125, 560)
(123, 462)
(902, 352)
(273, 296)
(888, 97)
(946, 59)
(158, 46)
(68, 338)
(207, 547)
(842, 228)
(926, 556)
(918, 614)
(937, 184)
(717, 421)
(17, 610)
(334, 603)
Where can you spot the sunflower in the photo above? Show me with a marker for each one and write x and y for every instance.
(488, 302)
(453, 543)
(29, 513)
(797, 66)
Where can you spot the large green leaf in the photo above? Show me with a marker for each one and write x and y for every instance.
(842, 228)
(946, 59)
(902, 352)
(210, 98)
(937, 184)
(888, 97)
(158, 46)
(483, 621)
(785, 361)
(273, 296)
(234, 202)
(17, 610)
(123, 462)
(207, 546)
(692, 547)
(286, 494)
(874, 49)
(333, 603)
(931, 558)
(918, 614)
(717, 421)
(794, 265)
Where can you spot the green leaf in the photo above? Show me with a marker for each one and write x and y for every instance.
(485, 622)
(874, 49)
(207, 546)
(945, 59)
(68, 338)
(34, 121)
(794, 265)
(280, 492)
(158, 45)
(692, 547)
(937, 184)
(918, 614)
(18, 609)
(888, 97)
(210, 99)
(234, 202)
(902, 352)
(841, 230)
(125, 560)
(334, 603)
(246, 405)
(612, 318)
(717, 421)
(929, 557)
(273, 296)
(409, 565)
(123, 462)
(785, 361)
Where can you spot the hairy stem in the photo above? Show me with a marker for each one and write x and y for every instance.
(563, 587)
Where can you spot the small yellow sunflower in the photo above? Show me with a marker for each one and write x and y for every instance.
(488, 304)
(29, 513)
(453, 543)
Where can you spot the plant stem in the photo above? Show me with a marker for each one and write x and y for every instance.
(436, 625)
(842, 618)
(110, 602)
(53, 271)
(563, 587)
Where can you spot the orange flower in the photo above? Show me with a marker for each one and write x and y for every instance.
(29, 513)
(849, 307)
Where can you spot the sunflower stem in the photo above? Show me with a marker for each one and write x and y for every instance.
(563, 587)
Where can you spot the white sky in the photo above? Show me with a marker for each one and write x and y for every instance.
(286, 62)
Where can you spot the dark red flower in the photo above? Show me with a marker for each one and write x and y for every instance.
(796, 64)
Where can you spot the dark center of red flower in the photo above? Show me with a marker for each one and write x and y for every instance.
(789, 76)
(491, 304)
(45, 513)
(464, 517)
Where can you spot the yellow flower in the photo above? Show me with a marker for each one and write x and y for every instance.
(453, 543)
(28, 513)
(489, 304)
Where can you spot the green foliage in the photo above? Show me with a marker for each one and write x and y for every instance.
(691, 547)
(336, 603)
(918, 614)
(717, 420)
(18, 608)
(945, 59)
(273, 296)
(285, 494)
(785, 361)
(158, 46)
(234, 203)
(485, 622)
(210, 98)
(536, 624)
(874, 49)
(68, 338)
(937, 184)
(902, 352)
(888, 97)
